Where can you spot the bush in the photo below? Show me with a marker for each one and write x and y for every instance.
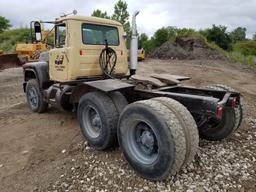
(245, 47)
(185, 32)
(239, 57)
(10, 38)
(238, 34)
(218, 35)
(149, 45)
(161, 36)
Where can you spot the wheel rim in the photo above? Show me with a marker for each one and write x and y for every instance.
(142, 143)
(33, 97)
(92, 121)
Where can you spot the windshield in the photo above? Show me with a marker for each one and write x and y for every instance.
(98, 34)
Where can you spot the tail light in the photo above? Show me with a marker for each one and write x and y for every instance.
(232, 102)
(219, 112)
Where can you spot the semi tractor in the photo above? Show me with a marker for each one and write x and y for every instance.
(155, 119)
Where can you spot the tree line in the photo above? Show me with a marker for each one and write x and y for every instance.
(219, 35)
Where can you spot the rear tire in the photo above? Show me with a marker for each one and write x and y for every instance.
(214, 129)
(119, 100)
(152, 140)
(188, 124)
(98, 119)
(239, 110)
(34, 97)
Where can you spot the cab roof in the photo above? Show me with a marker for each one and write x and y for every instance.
(88, 19)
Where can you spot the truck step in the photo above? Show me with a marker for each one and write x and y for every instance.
(52, 101)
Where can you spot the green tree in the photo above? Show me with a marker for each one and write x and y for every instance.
(161, 36)
(254, 37)
(185, 32)
(219, 35)
(99, 13)
(239, 34)
(149, 45)
(9, 39)
(121, 15)
(143, 39)
(172, 33)
(4, 24)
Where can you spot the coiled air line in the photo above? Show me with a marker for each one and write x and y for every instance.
(107, 61)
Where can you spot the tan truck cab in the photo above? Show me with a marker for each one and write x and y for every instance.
(79, 41)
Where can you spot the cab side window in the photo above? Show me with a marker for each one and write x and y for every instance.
(60, 35)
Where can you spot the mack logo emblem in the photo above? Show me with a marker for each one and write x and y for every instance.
(59, 59)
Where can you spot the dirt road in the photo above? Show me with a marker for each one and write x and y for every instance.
(46, 152)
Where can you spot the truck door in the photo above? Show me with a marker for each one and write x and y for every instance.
(58, 67)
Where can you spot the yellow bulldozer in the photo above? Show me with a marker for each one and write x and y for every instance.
(28, 51)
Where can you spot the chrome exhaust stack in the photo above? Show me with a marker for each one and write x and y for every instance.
(134, 45)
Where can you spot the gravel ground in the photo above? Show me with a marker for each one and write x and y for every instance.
(46, 152)
(228, 165)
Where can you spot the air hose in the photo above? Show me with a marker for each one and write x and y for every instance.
(107, 61)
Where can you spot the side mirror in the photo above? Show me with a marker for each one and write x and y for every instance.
(37, 29)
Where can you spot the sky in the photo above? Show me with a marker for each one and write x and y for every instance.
(197, 14)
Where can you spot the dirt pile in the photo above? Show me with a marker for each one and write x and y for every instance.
(185, 48)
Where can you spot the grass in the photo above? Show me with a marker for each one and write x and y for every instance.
(249, 60)
(9, 39)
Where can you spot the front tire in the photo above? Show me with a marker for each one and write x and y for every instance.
(34, 97)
